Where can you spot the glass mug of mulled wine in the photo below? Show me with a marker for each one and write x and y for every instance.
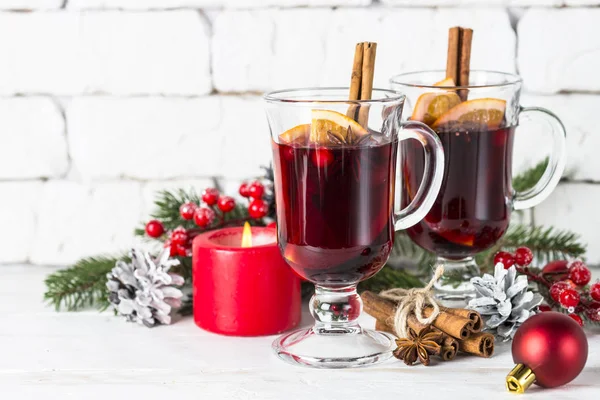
(477, 126)
(334, 163)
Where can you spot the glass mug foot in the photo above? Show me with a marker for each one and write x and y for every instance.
(455, 284)
(336, 340)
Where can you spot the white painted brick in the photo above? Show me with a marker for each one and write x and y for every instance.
(266, 49)
(32, 139)
(146, 138)
(246, 133)
(77, 220)
(30, 4)
(559, 49)
(578, 113)
(18, 215)
(170, 4)
(486, 3)
(573, 206)
(104, 52)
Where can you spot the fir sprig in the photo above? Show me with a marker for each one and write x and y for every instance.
(82, 285)
(529, 178)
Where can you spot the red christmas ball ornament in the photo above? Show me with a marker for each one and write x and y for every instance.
(595, 291)
(504, 257)
(556, 270)
(155, 228)
(204, 216)
(243, 190)
(187, 211)
(569, 298)
(256, 190)
(579, 273)
(258, 208)
(226, 203)
(557, 288)
(592, 311)
(576, 318)
(523, 256)
(549, 349)
(210, 196)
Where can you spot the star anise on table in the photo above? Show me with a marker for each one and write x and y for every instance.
(418, 346)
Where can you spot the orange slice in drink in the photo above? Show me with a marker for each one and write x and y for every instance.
(446, 82)
(297, 134)
(430, 106)
(325, 122)
(486, 112)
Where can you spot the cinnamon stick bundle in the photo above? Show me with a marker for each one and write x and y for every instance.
(470, 314)
(459, 57)
(481, 344)
(454, 325)
(361, 80)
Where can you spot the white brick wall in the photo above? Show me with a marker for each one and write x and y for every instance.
(103, 102)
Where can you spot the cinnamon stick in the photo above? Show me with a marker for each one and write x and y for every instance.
(481, 344)
(449, 345)
(453, 325)
(453, 53)
(470, 314)
(459, 57)
(361, 81)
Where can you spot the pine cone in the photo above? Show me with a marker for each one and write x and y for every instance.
(504, 301)
(142, 291)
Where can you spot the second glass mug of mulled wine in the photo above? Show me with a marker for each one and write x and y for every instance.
(477, 125)
(334, 162)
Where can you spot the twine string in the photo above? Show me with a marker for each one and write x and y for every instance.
(413, 301)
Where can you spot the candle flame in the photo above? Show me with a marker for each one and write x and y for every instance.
(247, 236)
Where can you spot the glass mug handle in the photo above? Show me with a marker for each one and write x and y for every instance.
(556, 162)
(432, 175)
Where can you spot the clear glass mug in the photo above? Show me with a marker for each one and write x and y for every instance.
(474, 205)
(335, 191)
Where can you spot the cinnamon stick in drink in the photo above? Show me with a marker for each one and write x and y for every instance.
(453, 54)
(459, 57)
(361, 80)
(356, 80)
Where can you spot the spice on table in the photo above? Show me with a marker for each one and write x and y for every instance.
(418, 346)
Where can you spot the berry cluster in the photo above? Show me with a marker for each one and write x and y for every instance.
(209, 214)
(566, 281)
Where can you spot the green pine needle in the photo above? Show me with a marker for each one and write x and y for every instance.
(80, 286)
(529, 178)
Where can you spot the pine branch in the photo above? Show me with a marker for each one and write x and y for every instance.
(389, 278)
(547, 244)
(528, 179)
(82, 285)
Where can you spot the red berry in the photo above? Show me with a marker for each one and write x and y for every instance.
(210, 196)
(595, 291)
(244, 190)
(322, 157)
(569, 298)
(226, 203)
(178, 250)
(523, 256)
(579, 273)
(593, 311)
(256, 190)
(258, 208)
(577, 319)
(544, 308)
(204, 216)
(272, 225)
(557, 288)
(187, 211)
(505, 258)
(155, 228)
(179, 236)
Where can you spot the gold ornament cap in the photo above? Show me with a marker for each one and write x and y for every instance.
(519, 379)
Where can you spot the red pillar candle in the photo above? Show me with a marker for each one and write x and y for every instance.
(243, 291)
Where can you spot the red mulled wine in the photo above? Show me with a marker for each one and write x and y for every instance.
(473, 207)
(334, 209)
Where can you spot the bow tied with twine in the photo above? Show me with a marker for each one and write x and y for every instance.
(414, 301)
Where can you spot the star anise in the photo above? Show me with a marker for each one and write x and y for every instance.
(420, 346)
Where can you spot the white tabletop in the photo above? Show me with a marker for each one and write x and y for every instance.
(90, 355)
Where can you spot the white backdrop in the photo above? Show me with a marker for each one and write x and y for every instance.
(102, 102)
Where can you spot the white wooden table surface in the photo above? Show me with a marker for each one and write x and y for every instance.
(88, 355)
